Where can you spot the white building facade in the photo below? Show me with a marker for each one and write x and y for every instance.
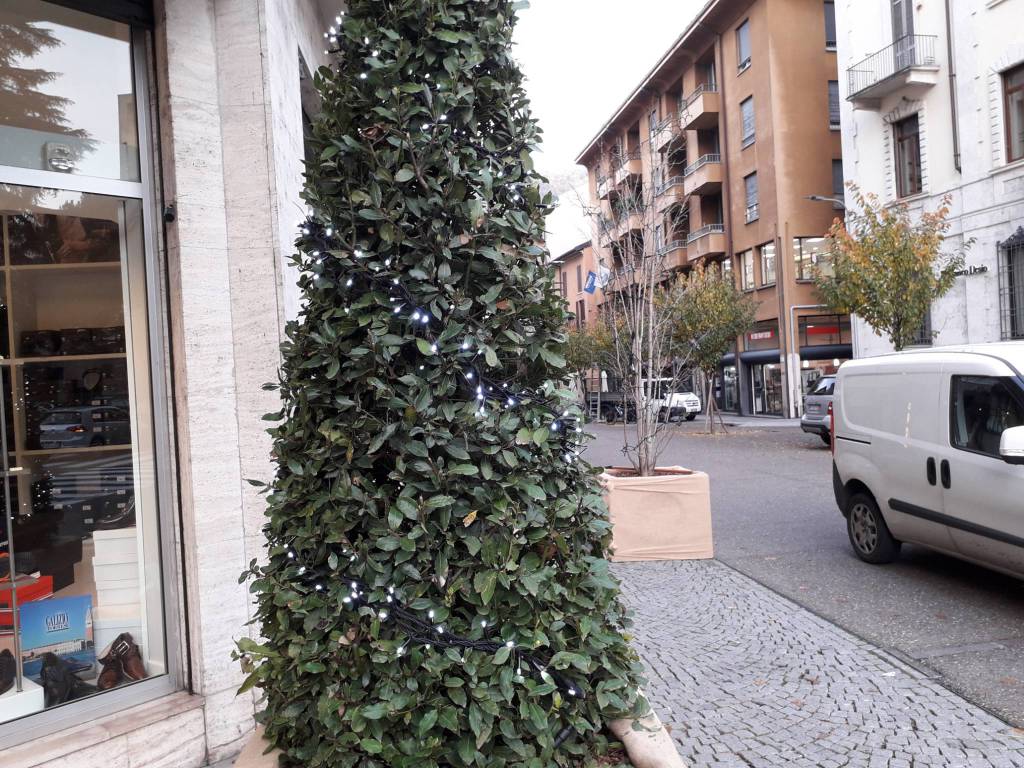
(933, 104)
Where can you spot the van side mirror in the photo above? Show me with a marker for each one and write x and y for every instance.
(1011, 446)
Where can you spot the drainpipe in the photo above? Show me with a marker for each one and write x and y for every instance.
(953, 106)
(794, 355)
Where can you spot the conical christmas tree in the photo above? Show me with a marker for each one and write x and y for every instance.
(436, 592)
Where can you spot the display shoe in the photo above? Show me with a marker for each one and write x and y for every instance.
(8, 670)
(125, 651)
(111, 676)
(60, 684)
(117, 518)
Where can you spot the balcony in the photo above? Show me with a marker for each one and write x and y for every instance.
(626, 223)
(604, 187)
(670, 193)
(701, 109)
(627, 165)
(668, 134)
(908, 67)
(605, 231)
(674, 254)
(709, 240)
(704, 177)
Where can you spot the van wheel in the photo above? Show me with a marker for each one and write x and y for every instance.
(826, 438)
(868, 532)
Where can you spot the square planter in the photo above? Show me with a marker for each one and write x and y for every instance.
(664, 517)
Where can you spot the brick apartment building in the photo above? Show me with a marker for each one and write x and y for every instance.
(732, 131)
(577, 276)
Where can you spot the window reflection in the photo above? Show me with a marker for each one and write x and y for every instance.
(67, 98)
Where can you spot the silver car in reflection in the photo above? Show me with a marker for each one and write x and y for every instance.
(84, 426)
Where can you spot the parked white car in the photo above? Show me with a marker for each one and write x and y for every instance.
(929, 449)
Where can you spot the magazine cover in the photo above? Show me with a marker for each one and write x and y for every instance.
(62, 626)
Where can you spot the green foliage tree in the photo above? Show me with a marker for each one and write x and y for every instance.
(708, 313)
(425, 452)
(887, 266)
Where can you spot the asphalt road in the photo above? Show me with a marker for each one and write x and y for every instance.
(775, 519)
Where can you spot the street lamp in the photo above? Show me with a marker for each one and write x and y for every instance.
(824, 199)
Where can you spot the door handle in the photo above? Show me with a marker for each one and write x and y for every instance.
(944, 468)
(931, 471)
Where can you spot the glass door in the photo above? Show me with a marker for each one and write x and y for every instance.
(81, 592)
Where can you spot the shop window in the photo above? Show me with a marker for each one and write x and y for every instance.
(77, 410)
(1013, 96)
(748, 121)
(824, 330)
(743, 52)
(745, 261)
(765, 335)
(907, 135)
(809, 253)
(767, 252)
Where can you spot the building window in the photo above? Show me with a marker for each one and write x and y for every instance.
(824, 330)
(750, 186)
(581, 313)
(563, 282)
(743, 45)
(924, 335)
(767, 263)
(1013, 88)
(907, 134)
(830, 25)
(1011, 286)
(833, 105)
(809, 252)
(745, 261)
(579, 278)
(748, 122)
(838, 180)
(77, 405)
(727, 270)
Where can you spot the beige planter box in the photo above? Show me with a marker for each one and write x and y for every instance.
(665, 517)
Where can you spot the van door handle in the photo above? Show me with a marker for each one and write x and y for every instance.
(944, 468)
(931, 471)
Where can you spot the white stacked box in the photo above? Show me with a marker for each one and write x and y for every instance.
(27, 701)
(116, 571)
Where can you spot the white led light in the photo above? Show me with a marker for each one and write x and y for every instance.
(382, 615)
(483, 622)
(346, 600)
(430, 614)
(433, 348)
(319, 587)
(362, 75)
(510, 644)
(348, 283)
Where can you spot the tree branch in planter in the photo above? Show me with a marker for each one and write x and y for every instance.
(708, 314)
(427, 451)
(886, 265)
(639, 236)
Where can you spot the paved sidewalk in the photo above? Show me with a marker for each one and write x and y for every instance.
(744, 677)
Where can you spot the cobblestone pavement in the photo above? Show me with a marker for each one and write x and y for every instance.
(745, 677)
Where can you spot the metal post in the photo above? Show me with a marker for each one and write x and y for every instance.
(12, 572)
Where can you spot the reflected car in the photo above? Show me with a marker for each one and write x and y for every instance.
(82, 427)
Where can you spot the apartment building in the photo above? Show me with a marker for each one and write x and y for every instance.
(577, 277)
(933, 103)
(729, 135)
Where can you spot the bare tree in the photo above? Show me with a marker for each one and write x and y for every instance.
(640, 222)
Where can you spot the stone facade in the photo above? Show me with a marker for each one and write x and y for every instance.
(987, 192)
(228, 97)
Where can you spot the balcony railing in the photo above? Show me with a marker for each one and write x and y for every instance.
(620, 160)
(701, 162)
(701, 89)
(671, 246)
(906, 53)
(666, 185)
(707, 229)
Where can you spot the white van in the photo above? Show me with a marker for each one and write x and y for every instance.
(928, 448)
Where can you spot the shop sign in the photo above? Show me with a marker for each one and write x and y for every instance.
(974, 269)
(591, 284)
(761, 335)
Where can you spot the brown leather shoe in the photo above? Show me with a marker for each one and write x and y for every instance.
(126, 653)
(111, 676)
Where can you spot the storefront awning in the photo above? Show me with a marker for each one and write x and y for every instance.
(827, 352)
(760, 356)
(135, 12)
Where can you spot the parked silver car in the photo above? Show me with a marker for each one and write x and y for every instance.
(85, 426)
(816, 418)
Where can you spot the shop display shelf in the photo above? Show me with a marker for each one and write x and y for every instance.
(81, 266)
(122, 447)
(64, 358)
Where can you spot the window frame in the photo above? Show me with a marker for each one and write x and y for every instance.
(840, 192)
(753, 212)
(1007, 91)
(1013, 388)
(175, 677)
(743, 31)
(746, 259)
(833, 89)
(901, 141)
(774, 262)
(747, 139)
(798, 252)
(831, 44)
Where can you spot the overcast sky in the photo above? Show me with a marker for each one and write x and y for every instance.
(582, 58)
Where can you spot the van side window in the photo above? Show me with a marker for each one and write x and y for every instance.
(983, 407)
